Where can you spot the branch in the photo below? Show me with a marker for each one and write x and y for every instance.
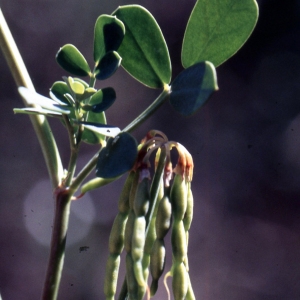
(39, 122)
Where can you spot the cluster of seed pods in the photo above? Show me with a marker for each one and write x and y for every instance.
(148, 209)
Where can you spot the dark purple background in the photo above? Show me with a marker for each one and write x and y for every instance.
(244, 241)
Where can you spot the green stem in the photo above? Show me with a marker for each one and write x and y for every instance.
(149, 111)
(58, 243)
(157, 180)
(39, 122)
(129, 128)
(86, 170)
(74, 146)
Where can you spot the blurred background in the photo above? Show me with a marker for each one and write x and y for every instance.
(245, 238)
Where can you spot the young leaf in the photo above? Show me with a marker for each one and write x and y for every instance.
(117, 157)
(71, 60)
(58, 90)
(108, 35)
(217, 29)
(192, 88)
(144, 51)
(102, 100)
(108, 65)
(88, 92)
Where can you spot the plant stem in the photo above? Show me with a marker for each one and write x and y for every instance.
(39, 122)
(86, 170)
(129, 128)
(58, 243)
(156, 104)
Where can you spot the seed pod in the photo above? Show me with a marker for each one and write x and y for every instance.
(116, 238)
(138, 238)
(129, 231)
(180, 282)
(188, 216)
(123, 203)
(137, 248)
(178, 240)
(163, 217)
(111, 276)
(145, 264)
(141, 200)
(186, 260)
(132, 284)
(190, 293)
(178, 196)
(153, 287)
(133, 189)
(157, 264)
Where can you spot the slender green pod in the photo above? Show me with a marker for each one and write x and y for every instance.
(116, 238)
(163, 217)
(137, 249)
(178, 196)
(157, 263)
(141, 201)
(186, 260)
(180, 282)
(133, 189)
(178, 241)
(138, 238)
(129, 231)
(188, 216)
(111, 276)
(132, 285)
(123, 204)
(190, 293)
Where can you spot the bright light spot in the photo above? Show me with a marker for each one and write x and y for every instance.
(39, 213)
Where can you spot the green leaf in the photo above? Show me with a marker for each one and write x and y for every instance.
(101, 100)
(108, 65)
(192, 88)
(86, 85)
(108, 35)
(58, 90)
(104, 129)
(117, 157)
(37, 111)
(89, 136)
(144, 51)
(217, 29)
(33, 98)
(77, 88)
(71, 60)
(88, 92)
